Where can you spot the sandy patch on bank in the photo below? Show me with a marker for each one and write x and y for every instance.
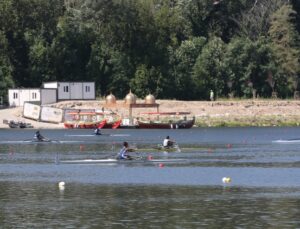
(203, 110)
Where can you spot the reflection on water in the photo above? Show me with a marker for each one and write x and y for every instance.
(264, 191)
(92, 206)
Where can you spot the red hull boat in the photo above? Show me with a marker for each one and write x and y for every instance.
(90, 120)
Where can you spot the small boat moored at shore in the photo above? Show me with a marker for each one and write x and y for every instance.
(91, 119)
(174, 120)
(17, 124)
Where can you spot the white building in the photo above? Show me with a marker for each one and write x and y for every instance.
(52, 92)
(17, 97)
(73, 90)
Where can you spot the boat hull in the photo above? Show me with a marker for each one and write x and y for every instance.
(116, 161)
(87, 125)
(182, 124)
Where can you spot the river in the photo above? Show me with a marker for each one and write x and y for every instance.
(183, 190)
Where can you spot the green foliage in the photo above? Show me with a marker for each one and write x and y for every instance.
(285, 43)
(171, 48)
(147, 80)
(208, 72)
(210, 18)
(40, 59)
(6, 68)
(182, 61)
(248, 64)
(71, 50)
(260, 12)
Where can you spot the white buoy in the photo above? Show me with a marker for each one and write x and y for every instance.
(226, 180)
(61, 185)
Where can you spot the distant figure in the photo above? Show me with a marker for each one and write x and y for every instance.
(38, 136)
(123, 154)
(97, 131)
(211, 96)
(167, 142)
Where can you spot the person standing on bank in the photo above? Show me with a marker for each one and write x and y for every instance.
(211, 95)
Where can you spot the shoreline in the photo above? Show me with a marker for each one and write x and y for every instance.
(231, 113)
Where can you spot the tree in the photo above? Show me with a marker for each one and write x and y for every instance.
(255, 21)
(22, 21)
(208, 71)
(285, 43)
(248, 65)
(148, 80)
(40, 63)
(6, 69)
(182, 61)
(208, 19)
(71, 49)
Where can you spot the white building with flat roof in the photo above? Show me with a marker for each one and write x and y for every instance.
(73, 90)
(52, 92)
(17, 97)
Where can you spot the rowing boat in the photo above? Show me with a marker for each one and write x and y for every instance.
(116, 161)
(180, 150)
(38, 142)
(43, 140)
(174, 148)
(296, 140)
(94, 135)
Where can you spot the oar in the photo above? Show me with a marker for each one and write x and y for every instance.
(176, 146)
(44, 139)
(56, 159)
(30, 139)
(49, 140)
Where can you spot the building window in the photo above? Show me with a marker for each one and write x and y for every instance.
(87, 89)
(15, 95)
(66, 88)
(33, 95)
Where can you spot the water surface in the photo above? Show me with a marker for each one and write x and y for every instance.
(264, 192)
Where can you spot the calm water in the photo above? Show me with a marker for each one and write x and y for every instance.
(188, 193)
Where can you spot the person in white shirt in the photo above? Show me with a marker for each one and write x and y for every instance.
(167, 142)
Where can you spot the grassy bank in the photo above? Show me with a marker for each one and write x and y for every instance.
(248, 121)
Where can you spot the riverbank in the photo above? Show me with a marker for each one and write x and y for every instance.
(211, 114)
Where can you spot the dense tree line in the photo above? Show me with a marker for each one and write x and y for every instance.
(171, 48)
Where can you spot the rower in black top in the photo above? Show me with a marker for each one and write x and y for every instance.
(97, 131)
(38, 136)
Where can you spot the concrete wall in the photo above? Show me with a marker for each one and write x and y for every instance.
(31, 111)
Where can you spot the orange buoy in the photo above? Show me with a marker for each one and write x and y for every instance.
(81, 147)
(161, 165)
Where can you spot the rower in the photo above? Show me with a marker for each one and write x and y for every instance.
(167, 143)
(38, 136)
(123, 154)
(97, 131)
